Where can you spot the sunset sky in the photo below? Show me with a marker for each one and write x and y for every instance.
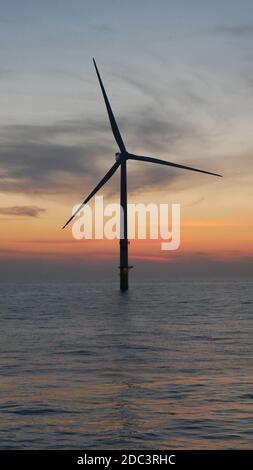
(179, 75)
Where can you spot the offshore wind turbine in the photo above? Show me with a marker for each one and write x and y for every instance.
(121, 161)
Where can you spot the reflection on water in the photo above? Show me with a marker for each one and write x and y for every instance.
(162, 366)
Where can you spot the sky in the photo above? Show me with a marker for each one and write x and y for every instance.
(179, 75)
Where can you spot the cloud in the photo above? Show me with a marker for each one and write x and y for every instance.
(234, 30)
(237, 30)
(195, 202)
(154, 133)
(34, 159)
(30, 211)
(105, 28)
(148, 90)
(72, 155)
(64, 157)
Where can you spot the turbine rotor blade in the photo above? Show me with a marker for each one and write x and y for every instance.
(95, 190)
(114, 126)
(131, 156)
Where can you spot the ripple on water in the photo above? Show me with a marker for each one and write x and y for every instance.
(167, 365)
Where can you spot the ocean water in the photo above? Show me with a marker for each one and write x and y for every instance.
(165, 365)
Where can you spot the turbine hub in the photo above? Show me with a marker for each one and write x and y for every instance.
(117, 156)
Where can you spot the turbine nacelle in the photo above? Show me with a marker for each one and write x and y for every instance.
(121, 156)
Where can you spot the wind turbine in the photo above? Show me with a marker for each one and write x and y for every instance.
(121, 159)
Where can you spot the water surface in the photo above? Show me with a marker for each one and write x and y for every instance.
(162, 366)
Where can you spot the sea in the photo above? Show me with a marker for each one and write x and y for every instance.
(163, 366)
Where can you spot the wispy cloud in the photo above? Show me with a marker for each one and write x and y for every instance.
(234, 29)
(105, 28)
(30, 211)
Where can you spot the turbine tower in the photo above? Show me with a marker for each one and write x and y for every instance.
(121, 161)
